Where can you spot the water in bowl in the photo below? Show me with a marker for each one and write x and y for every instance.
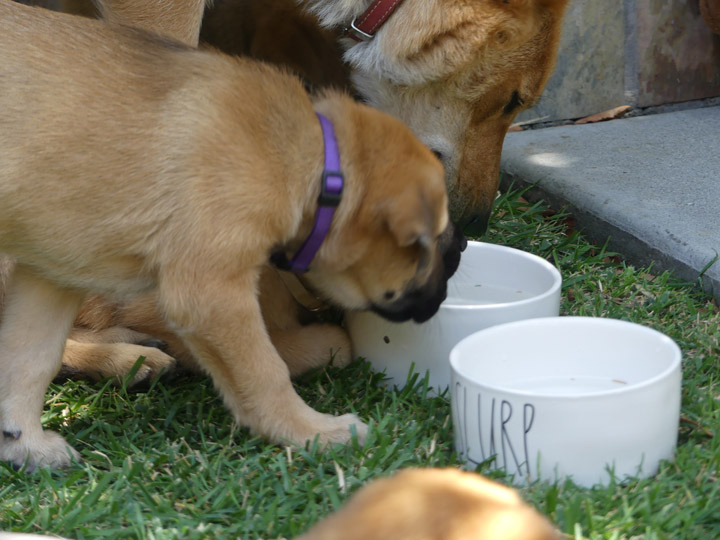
(484, 294)
(565, 385)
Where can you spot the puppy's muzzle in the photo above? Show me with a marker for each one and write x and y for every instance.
(421, 303)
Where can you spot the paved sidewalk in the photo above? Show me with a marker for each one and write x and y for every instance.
(650, 183)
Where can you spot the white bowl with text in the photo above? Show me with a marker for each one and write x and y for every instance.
(567, 396)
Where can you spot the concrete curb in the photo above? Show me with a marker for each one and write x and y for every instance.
(651, 184)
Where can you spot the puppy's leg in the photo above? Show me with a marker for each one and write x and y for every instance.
(99, 346)
(301, 347)
(36, 322)
(97, 360)
(139, 322)
(222, 325)
(312, 346)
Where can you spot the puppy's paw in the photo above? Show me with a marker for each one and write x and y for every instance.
(97, 361)
(312, 346)
(342, 434)
(338, 343)
(336, 429)
(156, 362)
(40, 449)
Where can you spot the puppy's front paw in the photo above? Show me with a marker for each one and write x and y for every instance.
(342, 434)
(336, 429)
(312, 346)
(156, 362)
(32, 450)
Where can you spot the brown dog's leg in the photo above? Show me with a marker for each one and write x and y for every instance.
(36, 321)
(221, 323)
(177, 19)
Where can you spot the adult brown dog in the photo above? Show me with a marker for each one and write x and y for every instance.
(456, 72)
(131, 164)
(275, 31)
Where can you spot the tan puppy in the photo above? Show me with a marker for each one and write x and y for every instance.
(129, 165)
(456, 72)
(434, 504)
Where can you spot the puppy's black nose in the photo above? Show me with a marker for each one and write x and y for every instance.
(461, 239)
(477, 225)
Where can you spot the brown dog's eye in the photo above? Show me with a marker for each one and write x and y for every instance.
(389, 295)
(515, 102)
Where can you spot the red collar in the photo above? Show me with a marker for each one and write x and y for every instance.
(363, 28)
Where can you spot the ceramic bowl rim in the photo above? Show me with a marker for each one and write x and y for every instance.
(675, 362)
(539, 261)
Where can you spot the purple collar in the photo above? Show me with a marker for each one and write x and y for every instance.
(330, 194)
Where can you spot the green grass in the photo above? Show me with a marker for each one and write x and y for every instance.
(168, 462)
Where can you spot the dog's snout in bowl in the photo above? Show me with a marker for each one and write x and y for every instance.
(451, 244)
(495, 284)
(420, 302)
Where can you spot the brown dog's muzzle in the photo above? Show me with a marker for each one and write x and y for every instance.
(473, 195)
(421, 303)
(475, 222)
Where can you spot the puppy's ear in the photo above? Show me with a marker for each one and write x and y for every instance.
(409, 218)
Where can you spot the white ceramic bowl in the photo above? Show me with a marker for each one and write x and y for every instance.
(494, 284)
(567, 396)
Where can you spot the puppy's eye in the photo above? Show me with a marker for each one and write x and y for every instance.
(515, 102)
(389, 295)
(439, 155)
